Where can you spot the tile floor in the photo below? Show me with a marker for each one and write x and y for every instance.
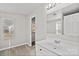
(23, 50)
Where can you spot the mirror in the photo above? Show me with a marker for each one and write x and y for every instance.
(54, 24)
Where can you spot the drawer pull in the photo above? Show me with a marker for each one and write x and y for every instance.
(54, 48)
(40, 49)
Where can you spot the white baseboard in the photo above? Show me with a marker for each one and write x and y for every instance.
(13, 46)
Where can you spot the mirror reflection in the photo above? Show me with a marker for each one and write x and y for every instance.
(54, 24)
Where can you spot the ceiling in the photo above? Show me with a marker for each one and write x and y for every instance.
(19, 8)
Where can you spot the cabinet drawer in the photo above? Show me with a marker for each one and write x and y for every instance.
(40, 51)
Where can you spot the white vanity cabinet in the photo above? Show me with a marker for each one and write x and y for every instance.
(40, 51)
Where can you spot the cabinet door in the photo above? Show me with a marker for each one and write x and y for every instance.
(43, 52)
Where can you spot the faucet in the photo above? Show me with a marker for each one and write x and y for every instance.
(57, 41)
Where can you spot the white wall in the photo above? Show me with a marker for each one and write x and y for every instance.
(40, 20)
(20, 31)
(23, 28)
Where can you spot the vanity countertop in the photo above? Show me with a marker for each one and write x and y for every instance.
(58, 49)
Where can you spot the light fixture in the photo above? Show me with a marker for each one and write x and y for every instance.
(50, 6)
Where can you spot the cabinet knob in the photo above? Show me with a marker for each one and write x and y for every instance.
(54, 48)
(40, 49)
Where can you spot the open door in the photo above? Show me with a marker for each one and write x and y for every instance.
(33, 31)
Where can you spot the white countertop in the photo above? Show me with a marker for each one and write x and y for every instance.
(60, 49)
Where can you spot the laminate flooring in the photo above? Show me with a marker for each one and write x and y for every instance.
(23, 50)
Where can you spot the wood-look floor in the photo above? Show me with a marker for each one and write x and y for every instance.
(23, 50)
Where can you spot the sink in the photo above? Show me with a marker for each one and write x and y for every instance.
(58, 47)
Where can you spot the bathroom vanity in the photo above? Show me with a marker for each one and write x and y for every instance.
(62, 33)
(50, 48)
(58, 46)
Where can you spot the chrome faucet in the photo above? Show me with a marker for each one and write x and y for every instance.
(57, 41)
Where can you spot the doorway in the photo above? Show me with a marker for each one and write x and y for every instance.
(33, 31)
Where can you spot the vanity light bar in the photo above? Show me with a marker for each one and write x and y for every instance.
(50, 6)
